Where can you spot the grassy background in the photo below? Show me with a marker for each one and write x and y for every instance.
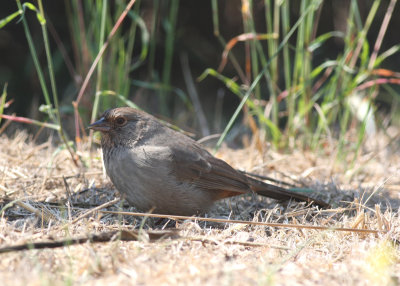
(282, 69)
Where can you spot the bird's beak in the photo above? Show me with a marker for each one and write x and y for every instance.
(100, 125)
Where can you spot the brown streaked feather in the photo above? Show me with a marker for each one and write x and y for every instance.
(207, 172)
(210, 173)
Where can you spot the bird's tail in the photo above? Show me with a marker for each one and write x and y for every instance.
(280, 193)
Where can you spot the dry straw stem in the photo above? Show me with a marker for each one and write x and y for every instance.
(270, 224)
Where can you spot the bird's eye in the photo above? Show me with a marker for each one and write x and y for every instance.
(120, 121)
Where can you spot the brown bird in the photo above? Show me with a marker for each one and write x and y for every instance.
(155, 167)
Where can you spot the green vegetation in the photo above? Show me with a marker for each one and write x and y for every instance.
(284, 92)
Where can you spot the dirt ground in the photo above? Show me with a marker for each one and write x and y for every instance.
(44, 197)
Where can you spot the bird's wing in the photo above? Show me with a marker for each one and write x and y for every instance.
(199, 167)
(196, 166)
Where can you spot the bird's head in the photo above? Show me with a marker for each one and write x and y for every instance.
(121, 126)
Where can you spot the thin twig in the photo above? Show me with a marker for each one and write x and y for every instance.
(105, 205)
(244, 243)
(270, 224)
(123, 235)
(382, 31)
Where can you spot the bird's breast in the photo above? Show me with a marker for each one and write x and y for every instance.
(143, 176)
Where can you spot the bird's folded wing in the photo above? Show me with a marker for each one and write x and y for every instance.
(199, 167)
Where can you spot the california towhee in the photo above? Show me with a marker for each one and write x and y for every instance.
(158, 168)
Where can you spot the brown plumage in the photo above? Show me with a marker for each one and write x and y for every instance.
(155, 167)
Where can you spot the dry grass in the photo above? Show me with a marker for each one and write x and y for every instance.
(364, 195)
